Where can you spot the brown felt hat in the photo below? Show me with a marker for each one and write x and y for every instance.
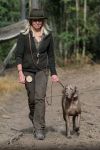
(37, 14)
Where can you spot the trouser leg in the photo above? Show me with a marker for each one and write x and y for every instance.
(40, 92)
(30, 87)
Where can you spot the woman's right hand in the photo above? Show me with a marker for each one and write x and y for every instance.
(21, 77)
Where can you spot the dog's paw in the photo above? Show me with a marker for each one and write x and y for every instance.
(72, 132)
(76, 129)
(77, 133)
(69, 136)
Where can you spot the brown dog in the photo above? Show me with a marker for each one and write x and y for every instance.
(71, 109)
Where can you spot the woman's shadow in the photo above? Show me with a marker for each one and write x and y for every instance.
(48, 129)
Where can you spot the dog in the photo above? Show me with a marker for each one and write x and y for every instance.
(71, 107)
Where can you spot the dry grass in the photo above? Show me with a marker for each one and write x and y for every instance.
(9, 84)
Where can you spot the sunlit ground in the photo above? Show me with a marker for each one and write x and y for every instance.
(9, 83)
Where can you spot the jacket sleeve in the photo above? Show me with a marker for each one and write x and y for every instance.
(19, 49)
(51, 57)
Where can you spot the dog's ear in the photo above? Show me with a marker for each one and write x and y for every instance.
(75, 88)
(76, 92)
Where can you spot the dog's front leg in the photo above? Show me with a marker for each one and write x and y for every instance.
(68, 126)
(78, 124)
(74, 124)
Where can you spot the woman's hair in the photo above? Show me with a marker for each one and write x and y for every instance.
(28, 27)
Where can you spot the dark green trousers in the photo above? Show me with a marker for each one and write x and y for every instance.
(36, 91)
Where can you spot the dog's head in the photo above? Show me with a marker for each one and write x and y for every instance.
(70, 91)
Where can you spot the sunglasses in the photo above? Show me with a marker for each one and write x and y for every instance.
(39, 20)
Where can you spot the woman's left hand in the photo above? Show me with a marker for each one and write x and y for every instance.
(54, 78)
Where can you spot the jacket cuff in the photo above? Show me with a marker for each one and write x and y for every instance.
(18, 61)
(53, 72)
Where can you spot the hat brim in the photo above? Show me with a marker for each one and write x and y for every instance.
(35, 18)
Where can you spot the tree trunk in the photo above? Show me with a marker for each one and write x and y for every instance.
(66, 29)
(77, 29)
(23, 11)
(84, 40)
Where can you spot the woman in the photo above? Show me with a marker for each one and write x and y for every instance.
(34, 57)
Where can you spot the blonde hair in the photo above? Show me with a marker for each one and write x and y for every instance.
(28, 28)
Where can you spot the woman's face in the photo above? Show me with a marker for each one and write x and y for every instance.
(37, 24)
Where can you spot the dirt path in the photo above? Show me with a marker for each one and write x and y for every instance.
(14, 120)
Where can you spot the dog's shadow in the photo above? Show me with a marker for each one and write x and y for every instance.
(48, 129)
(56, 129)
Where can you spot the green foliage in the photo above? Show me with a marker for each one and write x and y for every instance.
(67, 38)
(4, 49)
(9, 12)
(62, 16)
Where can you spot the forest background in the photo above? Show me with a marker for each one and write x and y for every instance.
(75, 25)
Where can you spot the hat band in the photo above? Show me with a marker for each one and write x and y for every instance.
(37, 17)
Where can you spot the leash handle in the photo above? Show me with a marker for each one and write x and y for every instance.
(50, 96)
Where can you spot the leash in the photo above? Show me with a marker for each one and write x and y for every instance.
(61, 84)
(50, 96)
(51, 93)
